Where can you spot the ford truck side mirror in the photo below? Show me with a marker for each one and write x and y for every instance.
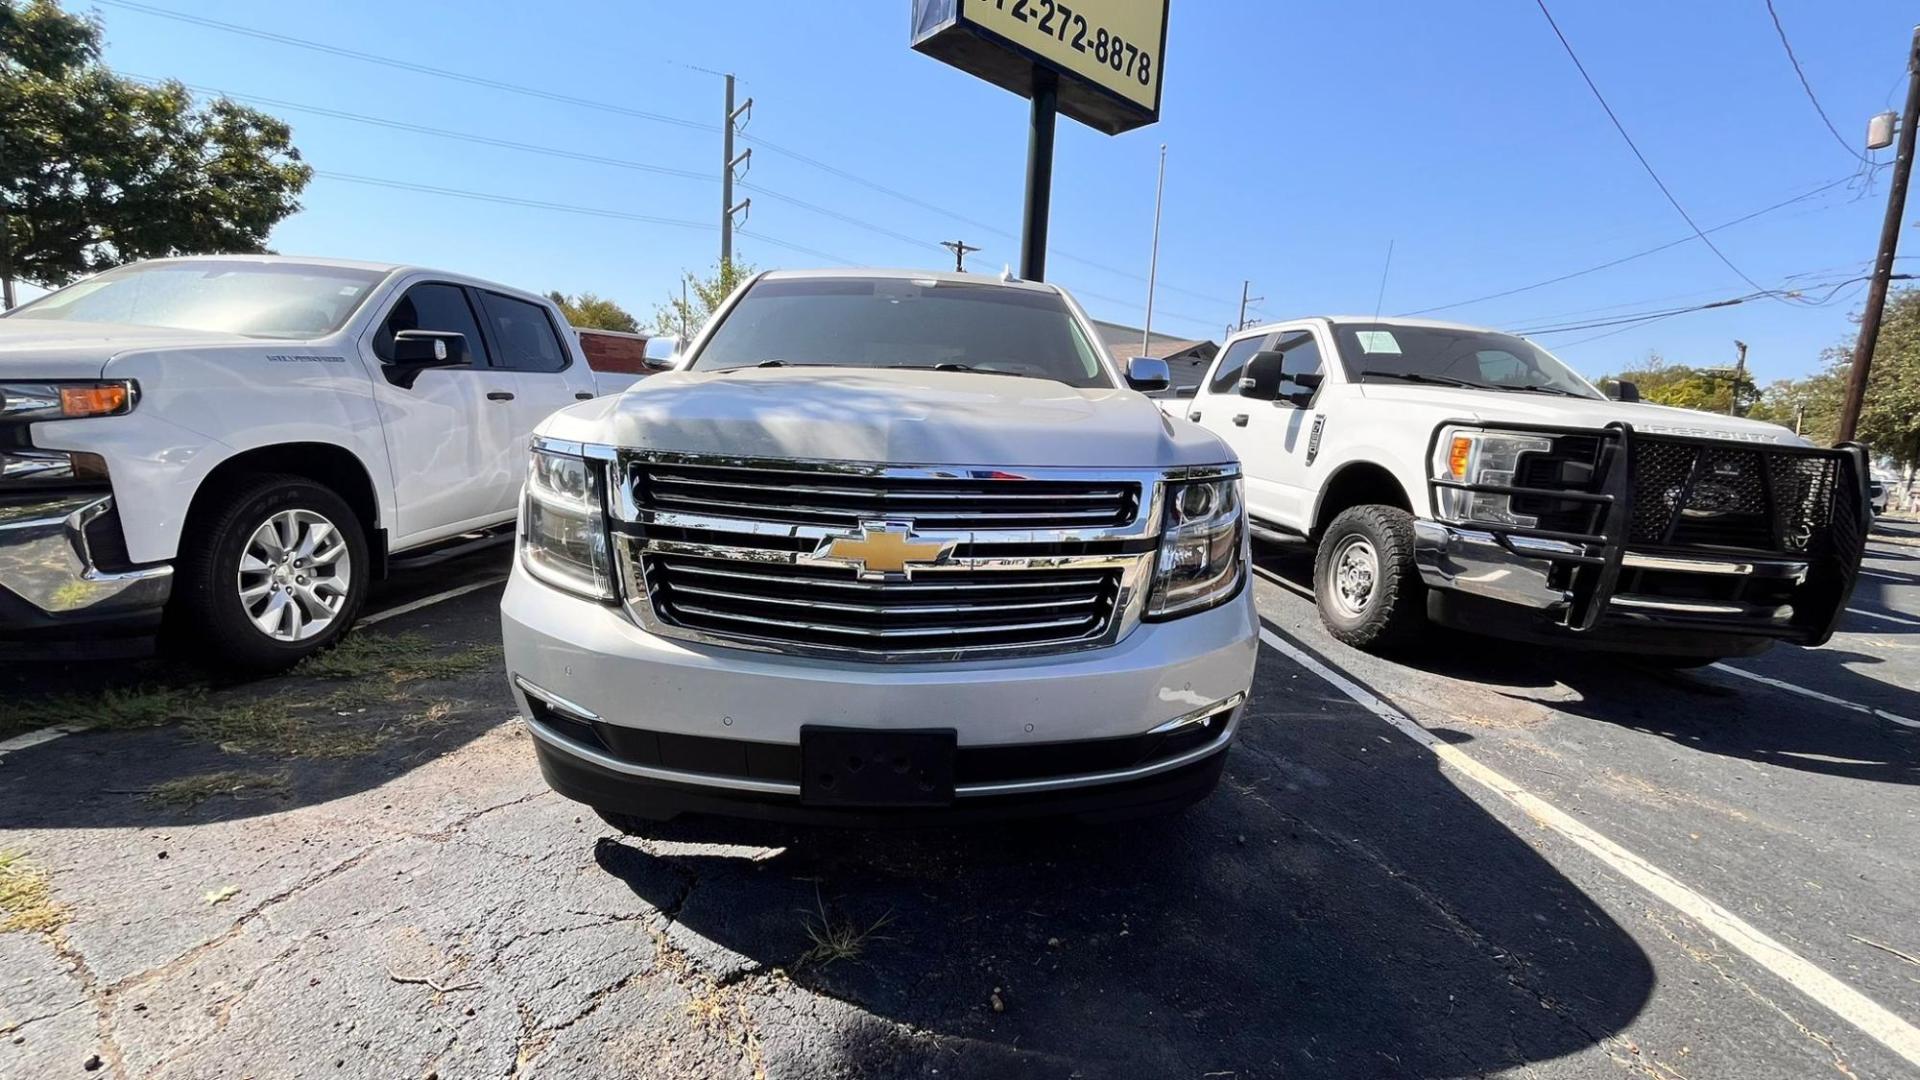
(1625, 391)
(1147, 374)
(414, 351)
(1262, 374)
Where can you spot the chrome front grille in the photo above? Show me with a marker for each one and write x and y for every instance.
(775, 555)
(933, 502)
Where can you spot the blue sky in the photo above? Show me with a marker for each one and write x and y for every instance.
(1303, 138)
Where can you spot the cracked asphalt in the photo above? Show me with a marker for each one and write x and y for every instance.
(1344, 905)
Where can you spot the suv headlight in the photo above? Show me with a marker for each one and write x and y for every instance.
(1201, 562)
(563, 532)
(37, 401)
(1473, 456)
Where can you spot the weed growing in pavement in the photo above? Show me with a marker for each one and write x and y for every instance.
(26, 897)
(117, 709)
(188, 792)
(837, 939)
(399, 658)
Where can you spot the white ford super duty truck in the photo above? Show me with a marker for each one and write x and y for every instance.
(886, 544)
(243, 443)
(1468, 477)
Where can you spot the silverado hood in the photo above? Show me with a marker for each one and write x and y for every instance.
(61, 349)
(1494, 406)
(899, 417)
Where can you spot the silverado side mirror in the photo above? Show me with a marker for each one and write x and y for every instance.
(1147, 374)
(414, 351)
(662, 353)
(1625, 391)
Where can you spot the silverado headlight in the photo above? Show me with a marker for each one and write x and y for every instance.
(36, 401)
(1199, 564)
(563, 534)
(1472, 456)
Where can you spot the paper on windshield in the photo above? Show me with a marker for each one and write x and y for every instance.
(1377, 341)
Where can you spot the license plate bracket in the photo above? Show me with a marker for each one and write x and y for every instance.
(842, 766)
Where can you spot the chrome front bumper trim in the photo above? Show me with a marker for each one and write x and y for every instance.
(45, 561)
(778, 787)
(1471, 561)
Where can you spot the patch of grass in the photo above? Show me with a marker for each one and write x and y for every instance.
(301, 729)
(397, 658)
(117, 709)
(26, 897)
(838, 938)
(188, 792)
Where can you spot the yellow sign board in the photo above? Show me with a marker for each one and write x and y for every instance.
(1109, 54)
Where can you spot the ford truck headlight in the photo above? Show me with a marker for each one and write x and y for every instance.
(563, 532)
(1474, 456)
(1200, 562)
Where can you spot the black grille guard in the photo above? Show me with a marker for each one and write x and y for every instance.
(1833, 558)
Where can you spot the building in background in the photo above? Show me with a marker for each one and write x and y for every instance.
(1186, 359)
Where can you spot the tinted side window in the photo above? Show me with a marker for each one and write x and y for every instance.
(1226, 375)
(522, 334)
(434, 307)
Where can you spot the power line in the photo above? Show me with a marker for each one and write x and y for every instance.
(511, 200)
(1638, 318)
(1638, 156)
(1610, 263)
(838, 216)
(1808, 87)
(413, 66)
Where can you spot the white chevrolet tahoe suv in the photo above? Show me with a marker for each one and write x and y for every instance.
(243, 443)
(1467, 476)
(887, 545)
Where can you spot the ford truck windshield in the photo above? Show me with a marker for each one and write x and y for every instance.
(1445, 356)
(901, 322)
(270, 300)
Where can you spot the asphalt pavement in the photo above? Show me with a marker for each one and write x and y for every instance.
(1483, 859)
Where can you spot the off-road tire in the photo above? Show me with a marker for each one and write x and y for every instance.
(1393, 613)
(206, 613)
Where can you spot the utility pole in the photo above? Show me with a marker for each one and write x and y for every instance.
(1739, 373)
(728, 164)
(1244, 301)
(6, 245)
(1153, 260)
(960, 248)
(1883, 263)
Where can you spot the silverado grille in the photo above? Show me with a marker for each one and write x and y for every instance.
(841, 500)
(775, 555)
(1692, 495)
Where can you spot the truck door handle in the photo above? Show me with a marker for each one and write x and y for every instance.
(1240, 421)
(499, 395)
(1194, 416)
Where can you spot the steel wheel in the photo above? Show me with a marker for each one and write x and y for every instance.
(295, 575)
(1356, 568)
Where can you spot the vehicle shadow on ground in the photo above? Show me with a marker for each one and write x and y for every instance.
(1337, 908)
(174, 746)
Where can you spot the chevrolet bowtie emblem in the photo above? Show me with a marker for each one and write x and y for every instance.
(885, 548)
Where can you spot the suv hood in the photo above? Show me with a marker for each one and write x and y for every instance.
(896, 417)
(1494, 406)
(62, 349)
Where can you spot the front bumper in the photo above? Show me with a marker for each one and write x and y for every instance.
(630, 721)
(1599, 588)
(50, 579)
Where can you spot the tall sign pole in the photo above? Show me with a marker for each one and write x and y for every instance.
(1153, 260)
(1033, 220)
(1883, 263)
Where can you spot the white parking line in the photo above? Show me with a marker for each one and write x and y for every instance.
(1816, 695)
(1895, 619)
(1803, 975)
(48, 734)
(1884, 577)
(427, 601)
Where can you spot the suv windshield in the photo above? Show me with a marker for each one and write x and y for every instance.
(1397, 352)
(272, 300)
(885, 322)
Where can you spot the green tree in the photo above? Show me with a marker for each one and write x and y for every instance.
(1686, 387)
(702, 295)
(1810, 405)
(1890, 418)
(97, 169)
(590, 312)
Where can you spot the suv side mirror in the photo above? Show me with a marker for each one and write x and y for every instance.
(1147, 373)
(1624, 390)
(662, 353)
(414, 351)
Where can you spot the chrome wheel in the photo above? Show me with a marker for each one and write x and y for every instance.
(295, 575)
(1355, 570)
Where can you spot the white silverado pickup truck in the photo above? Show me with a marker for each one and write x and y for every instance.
(1468, 477)
(887, 545)
(244, 443)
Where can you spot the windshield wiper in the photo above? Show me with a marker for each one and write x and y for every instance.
(1543, 390)
(1421, 377)
(969, 368)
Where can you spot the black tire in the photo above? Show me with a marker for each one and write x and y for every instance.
(207, 610)
(1391, 614)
